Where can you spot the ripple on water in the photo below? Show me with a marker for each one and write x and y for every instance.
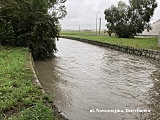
(84, 77)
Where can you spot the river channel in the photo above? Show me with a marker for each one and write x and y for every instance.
(90, 82)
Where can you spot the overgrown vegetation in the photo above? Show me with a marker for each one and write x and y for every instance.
(20, 99)
(128, 20)
(149, 43)
(31, 23)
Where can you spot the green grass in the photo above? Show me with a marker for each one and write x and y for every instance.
(38, 112)
(149, 43)
(20, 99)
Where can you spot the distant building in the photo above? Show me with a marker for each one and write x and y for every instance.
(155, 29)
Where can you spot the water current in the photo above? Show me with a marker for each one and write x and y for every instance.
(89, 82)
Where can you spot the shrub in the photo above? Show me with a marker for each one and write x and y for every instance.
(31, 23)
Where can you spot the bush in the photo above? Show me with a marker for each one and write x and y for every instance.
(29, 24)
(7, 35)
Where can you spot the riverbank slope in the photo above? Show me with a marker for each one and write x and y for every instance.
(147, 47)
(141, 42)
(20, 98)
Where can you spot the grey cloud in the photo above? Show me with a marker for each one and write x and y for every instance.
(83, 12)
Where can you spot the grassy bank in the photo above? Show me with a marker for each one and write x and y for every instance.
(20, 99)
(149, 43)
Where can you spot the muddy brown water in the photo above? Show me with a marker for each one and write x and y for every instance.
(95, 83)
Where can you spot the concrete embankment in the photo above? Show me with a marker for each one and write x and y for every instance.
(57, 113)
(154, 54)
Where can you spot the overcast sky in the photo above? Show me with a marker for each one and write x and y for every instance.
(83, 13)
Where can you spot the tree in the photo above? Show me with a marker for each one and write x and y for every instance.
(128, 20)
(34, 24)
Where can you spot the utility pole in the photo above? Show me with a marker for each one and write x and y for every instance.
(96, 21)
(159, 40)
(99, 25)
(79, 28)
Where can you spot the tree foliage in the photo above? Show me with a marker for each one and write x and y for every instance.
(128, 20)
(31, 23)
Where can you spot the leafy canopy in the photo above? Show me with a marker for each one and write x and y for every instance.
(128, 20)
(31, 23)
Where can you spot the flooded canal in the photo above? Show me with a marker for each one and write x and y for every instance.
(95, 83)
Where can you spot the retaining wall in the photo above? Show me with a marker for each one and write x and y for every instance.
(154, 54)
(57, 113)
